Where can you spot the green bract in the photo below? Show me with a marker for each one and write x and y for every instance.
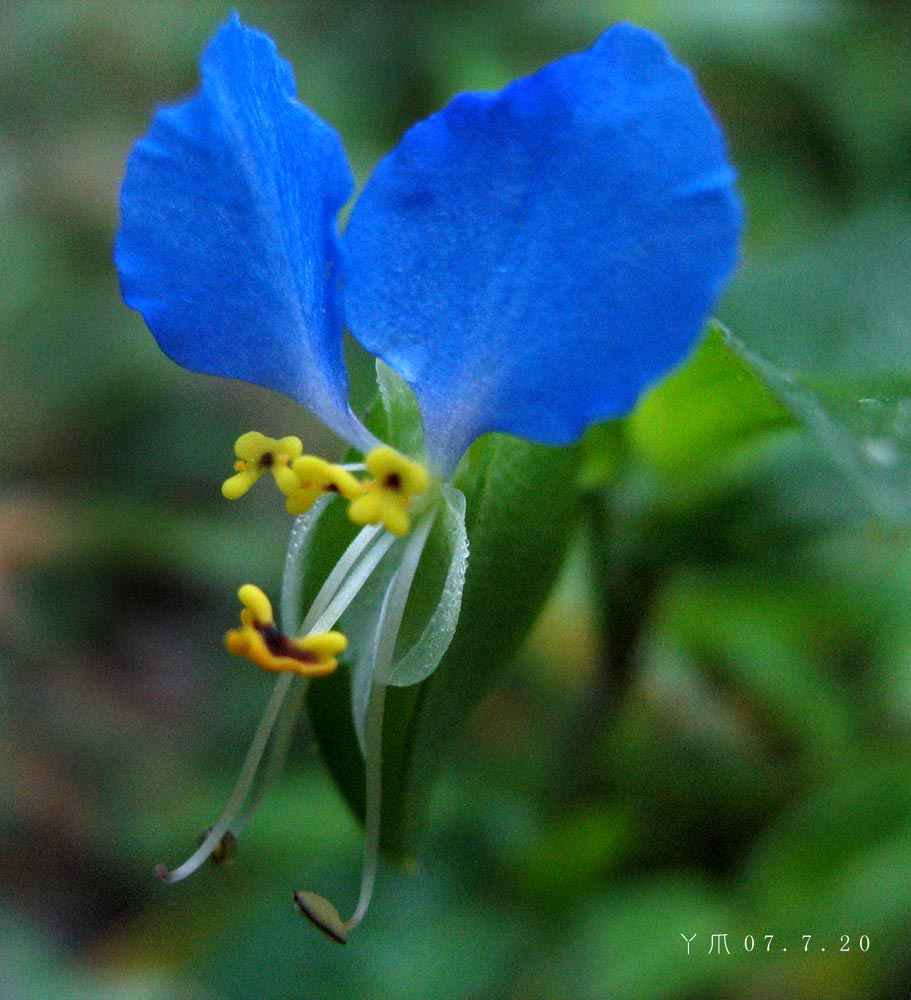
(520, 505)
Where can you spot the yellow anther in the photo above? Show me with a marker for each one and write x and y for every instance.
(257, 608)
(387, 497)
(313, 477)
(259, 640)
(258, 454)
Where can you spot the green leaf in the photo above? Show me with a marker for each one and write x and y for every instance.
(713, 404)
(403, 427)
(718, 618)
(828, 326)
(864, 426)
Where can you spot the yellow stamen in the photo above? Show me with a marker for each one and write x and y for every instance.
(257, 454)
(313, 477)
(260, 641)
(386, 498)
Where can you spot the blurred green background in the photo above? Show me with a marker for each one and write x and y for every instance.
(709, 731)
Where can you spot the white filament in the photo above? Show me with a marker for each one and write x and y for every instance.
(390, 621)
(338, 591)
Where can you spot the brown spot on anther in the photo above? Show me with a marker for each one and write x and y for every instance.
(281, 645)
(393, 481)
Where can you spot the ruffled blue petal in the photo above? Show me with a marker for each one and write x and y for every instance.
(228, 244)
(530, 260)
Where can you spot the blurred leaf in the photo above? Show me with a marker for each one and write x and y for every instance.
(831, 341)
(711, 405)
(435, 932)
(630, 943)
(837, 865)
(758, 640)
(31, 970)
(835, 308)
(805, 858)
(865, 428)
(581, 846)
(602, 454)
(727, 395)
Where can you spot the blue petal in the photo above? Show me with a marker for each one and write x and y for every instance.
(228, 244)
(530, 260)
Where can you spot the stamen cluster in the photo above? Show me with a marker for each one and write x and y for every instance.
(384, 497)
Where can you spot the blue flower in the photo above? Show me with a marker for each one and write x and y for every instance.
(527, 261)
